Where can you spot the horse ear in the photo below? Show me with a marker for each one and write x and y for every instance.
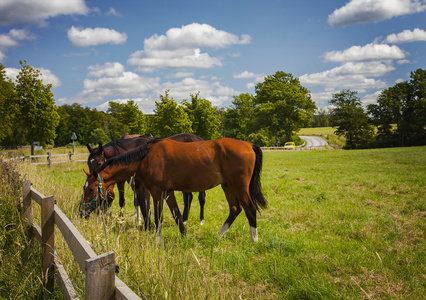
(101, 148)
(89, 148)
(85, 172)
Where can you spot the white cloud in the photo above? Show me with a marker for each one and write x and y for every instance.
(406, 36)
(369, 52)
(11, 40)
(370, 98)
(366, 11)
(114, 12)
(111, 80)
(109, 69)
(46, 75)
(88, 37)
(181, 48)
(246, 74)
(349, 76)
(38, 11)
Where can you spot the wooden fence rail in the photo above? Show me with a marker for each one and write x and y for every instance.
(101, 281)
(49, 158)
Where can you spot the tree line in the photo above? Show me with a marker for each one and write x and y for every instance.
(280, 107)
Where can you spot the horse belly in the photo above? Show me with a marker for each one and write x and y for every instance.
(195, 181)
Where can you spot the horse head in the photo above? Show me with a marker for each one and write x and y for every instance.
(94, 194)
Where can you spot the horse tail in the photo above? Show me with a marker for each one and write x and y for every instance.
(255, 187)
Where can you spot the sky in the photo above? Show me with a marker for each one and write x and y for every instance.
(93, 52)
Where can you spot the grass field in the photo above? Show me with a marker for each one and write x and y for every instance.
(340, 225)
(325, 132)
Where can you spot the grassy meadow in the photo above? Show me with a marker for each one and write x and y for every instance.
(340, 225)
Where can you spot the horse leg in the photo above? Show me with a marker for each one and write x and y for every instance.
(250, 211)
(145, 205)
(158, 200)
(187, 199)
(202, 200)
(234, 209)
(174, 208)
(120, 186)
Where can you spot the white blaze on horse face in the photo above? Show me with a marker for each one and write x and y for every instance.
(253, 234)
(224, 229)
(86, 184)
(92, 160)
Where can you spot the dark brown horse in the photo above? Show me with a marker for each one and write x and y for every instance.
(164, 165)
(128, 142)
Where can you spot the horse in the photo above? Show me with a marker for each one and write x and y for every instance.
(100, 155)
(128, 142)
(164, 165)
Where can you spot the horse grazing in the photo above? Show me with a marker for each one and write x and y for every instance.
(100, 155)
(128, 142)
(164, 165)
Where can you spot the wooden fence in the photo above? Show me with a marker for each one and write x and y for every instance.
(51, 158)
(101, 281)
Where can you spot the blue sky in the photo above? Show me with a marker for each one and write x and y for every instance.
(93, 52)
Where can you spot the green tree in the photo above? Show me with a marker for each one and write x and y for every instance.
(321, 118)
(351, 121)
(400, 112)
(238, 119)
(204, 117)
(284, 105)
(170, 117)
(37, 106)
(98, 136)
(9, 109)
(126, 118)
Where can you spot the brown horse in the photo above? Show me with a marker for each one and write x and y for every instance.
(164, 165)
(128, 142)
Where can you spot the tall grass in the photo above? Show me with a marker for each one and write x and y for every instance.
(340, 224)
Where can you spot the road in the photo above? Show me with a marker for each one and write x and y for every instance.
(313, 141)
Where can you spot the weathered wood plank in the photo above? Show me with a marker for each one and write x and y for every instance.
(100, 277)
(76, 242)
(68, 291)
(36, 195)
(48, 241)
(26, 202)
(123, 292)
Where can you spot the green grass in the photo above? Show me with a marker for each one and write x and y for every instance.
(325, 132)
(340, 225)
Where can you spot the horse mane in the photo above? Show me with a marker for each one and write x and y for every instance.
(115, 145)
(129, 156)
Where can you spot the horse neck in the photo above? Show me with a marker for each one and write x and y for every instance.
(118, 173)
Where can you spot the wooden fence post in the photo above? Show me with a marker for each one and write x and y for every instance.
(100, 276)
(70, 155)
(26, 202)
(48, 241)
(49, 159)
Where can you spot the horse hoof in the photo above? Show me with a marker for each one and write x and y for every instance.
(201, 222)
(185, 222)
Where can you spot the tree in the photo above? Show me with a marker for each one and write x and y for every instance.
(204, 117)
(238, 120)
(351, 121)
(9, 109)
(321, 118)
(125, 118)
(170, 117)
(284, 105)
(400, 112)
(38, 111)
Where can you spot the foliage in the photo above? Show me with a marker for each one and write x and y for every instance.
(125, 118)
(321, 118)
(204, 117)
(9, 108)
(238, 119)
(403, 105)
(170, 117)
(98, 136)
(20, 257)
(284, 105)
(351, 121)
(38, 111)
